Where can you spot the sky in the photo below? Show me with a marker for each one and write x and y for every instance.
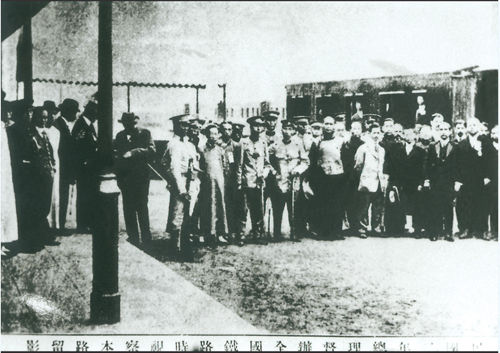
(256, 48)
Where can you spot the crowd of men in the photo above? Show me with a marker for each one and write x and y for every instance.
(375, 179)
(372, 180)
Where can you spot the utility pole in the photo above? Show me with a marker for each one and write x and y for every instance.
(105, 297)
(197, 101)
(223, 100)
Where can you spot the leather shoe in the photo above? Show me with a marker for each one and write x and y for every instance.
(465, 235)
(449, 238)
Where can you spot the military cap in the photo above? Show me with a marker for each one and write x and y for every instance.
(459, 121)
(372, 117)
(254, 120)
(183, 118)
(340, 117)
(69, 104)
(287, 123)
(316, 125)
(301, 119)
(196, 117)
(128, 117)
(238, 122)
(437, 115)
(271, 115)
(50, 106)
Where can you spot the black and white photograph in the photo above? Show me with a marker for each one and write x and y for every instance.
(248, 176)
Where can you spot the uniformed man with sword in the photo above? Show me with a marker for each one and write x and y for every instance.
(181, 162)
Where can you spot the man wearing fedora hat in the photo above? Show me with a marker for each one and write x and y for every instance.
(65, 123)
(134, 148)
(85, 159)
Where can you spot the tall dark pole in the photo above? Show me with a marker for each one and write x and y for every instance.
(128, 98)
(197, 101)
(224, 100)
(28, 51)
(105, 297)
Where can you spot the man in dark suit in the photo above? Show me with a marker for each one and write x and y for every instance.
(352, 199)
(492, 188)
(65, 123)
(133, 149)
(86, 166)
(470, 181)
(394, 167)
(38, 164)
(439, 171)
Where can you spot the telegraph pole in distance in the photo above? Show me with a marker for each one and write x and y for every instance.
(224, 99)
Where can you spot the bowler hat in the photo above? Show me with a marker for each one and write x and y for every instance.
(69, 104)
(255, 120)
(50, 106)
(126, 117)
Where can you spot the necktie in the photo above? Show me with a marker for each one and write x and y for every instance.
(48, 147)
(93, 130)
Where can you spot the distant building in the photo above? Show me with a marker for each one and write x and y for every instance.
(455, 95)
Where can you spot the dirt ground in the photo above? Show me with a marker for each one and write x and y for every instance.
(374, 286)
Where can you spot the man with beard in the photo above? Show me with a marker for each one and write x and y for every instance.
(65, 123)
(470, 180)
(252, 168)
(460, 130)
(234, 198)
(372, 182)
(440, 169)
(328, 178)
(413, 167)
(423, 213)
(288, 160)
(394, 155)
(85, 160)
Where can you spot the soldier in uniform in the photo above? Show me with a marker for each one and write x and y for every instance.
(272, 137)
(134, 148)
(194, 133)
(328, 178)
(181, 161)
(238, 126)
(288, 160)
(87, 181)
(252, 169)
(304, 212)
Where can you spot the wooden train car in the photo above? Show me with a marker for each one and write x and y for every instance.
(455, 95)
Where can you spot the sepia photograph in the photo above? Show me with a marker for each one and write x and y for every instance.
(249, 175)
